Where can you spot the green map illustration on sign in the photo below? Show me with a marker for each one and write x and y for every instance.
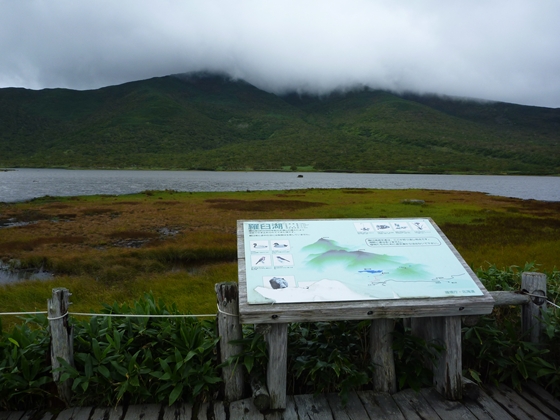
(349, 260)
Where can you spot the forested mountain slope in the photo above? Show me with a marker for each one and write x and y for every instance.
(211, 122)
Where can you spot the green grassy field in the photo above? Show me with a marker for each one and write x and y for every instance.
(107, 249)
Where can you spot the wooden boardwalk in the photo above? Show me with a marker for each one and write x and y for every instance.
(493, 403)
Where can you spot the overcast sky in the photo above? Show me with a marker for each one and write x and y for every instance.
(505, 50)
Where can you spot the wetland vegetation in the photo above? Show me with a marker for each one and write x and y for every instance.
(163, 251)
(116, 248)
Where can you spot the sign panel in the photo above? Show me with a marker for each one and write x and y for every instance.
(296, 261)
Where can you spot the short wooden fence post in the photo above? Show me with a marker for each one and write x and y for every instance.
(62, 336)
(531, 319)
(230, 329)
(381, 352)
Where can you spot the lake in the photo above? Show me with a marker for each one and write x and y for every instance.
(25, 184)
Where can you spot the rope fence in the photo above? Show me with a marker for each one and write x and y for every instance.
(112, 315)
(541, 297)
(186, 315)
(121, 315)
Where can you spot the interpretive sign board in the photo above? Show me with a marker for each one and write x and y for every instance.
(351, 260)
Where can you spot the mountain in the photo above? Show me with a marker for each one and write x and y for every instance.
(323, 245)
(203, 121)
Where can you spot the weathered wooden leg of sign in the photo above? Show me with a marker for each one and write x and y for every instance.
(531, 320)
(381, 352)
(448, 366)
(62, 346)
(230, 329)
(261, 396)
(276, 374)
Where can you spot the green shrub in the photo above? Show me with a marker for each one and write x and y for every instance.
(170, 359)
(142, 360)
(495, 350)
(334, 357)
(414, 358)
(24, 373)
(494, 353)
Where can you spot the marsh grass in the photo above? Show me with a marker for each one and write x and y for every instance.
(177, 245)
(261, 205)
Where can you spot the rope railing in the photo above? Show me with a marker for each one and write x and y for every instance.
(123, 315)
(23, 313)
(113, 315)
(190, 315)
(541, 297)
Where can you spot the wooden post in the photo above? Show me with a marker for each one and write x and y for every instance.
(531, 320)
(62, 345)
(381, 352)
(448, 366)
(261, 396)
(446, 331)
(229, 329)
(276, 372)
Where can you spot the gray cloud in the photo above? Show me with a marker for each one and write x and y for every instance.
(506, 50)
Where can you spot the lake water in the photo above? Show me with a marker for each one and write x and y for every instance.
(24, 184)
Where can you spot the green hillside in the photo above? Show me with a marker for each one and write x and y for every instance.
(211, 122)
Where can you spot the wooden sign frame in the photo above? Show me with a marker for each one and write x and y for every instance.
(357, 310)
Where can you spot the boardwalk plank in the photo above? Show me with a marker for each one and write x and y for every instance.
(484, 405)
(202, 413)
(244, 410)
(370, 404)
(388, 405)
(98, 414)
(414, 406)
(115, 413)
(11, 415)
(543, 395)
(219, 411)
(514, 404)
(448, 410)
(538, 404)
(354, 409)
(208, 411)
(290, 413)
(477, 411)
(313, 407)
(501, 403)
(407, 409)
(76, 413)
(144, 412)
(177, 412)
(109, 413)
